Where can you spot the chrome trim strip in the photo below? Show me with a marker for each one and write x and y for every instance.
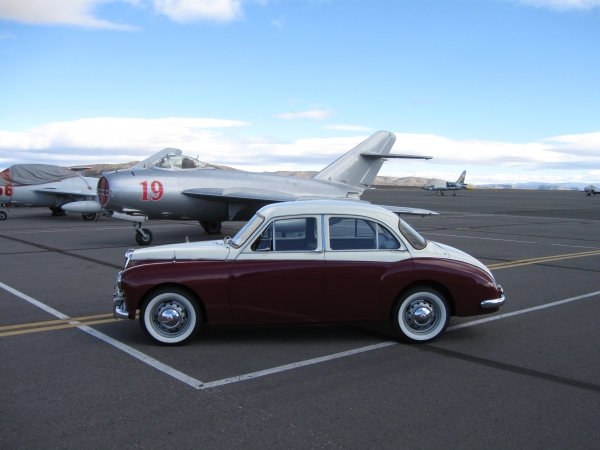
(495, 303)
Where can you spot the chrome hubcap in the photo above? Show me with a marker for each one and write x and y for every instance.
(421, 315)
(170, 318)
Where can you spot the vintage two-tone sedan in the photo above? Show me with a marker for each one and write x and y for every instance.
(306, 262)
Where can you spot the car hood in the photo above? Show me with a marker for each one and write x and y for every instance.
(211, 250)
(445, 251)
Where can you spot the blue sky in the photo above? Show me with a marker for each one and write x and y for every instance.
(508, 90)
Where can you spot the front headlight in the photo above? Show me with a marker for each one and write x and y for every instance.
(128, 255)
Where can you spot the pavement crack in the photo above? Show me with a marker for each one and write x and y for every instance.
(61, 252)
(483, 361)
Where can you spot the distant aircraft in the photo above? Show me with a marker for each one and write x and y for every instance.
(171, 186)
(45, 186)
(591, 189)
(449, 185)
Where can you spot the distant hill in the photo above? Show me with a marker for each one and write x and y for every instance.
(536, 186)
(379, 181)
(97, 170)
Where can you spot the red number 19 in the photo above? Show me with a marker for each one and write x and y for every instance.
(157, 190)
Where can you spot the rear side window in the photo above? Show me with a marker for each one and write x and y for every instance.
(414, 238)
(359, 234)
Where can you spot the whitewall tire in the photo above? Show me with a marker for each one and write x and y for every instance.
(170, 316)
(421, 315)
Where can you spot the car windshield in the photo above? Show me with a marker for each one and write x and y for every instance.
(414, 238)
(247, 231)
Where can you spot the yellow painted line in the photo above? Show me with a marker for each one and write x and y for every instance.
(54, 322)
(57, 327)
(525, 262)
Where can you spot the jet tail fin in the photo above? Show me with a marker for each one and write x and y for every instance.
(359, 167)
(461, 179)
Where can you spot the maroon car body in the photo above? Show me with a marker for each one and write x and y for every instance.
(306, 262)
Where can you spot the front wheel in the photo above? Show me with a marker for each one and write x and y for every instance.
(144, 239)
(3, 215)
(421, 315)
(170, 316)
(90, 216)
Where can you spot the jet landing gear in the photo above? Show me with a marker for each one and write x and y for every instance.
(211, 226)
(57, 211)
(143, 236)
(3, 215)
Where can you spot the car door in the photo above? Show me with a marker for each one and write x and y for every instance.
(366, 266)
(280, 276)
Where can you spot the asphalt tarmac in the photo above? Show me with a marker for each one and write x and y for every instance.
(526, 377)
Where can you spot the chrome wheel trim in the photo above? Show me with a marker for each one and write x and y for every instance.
(170, 318)
(422, 316)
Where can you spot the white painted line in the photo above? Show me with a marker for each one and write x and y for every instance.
(34, 302)
(508, 240)
(291, 366)
(522, 311)
(103, 337)
(196, 384)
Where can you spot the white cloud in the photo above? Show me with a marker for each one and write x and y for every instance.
(563, 4)
(81, 12)
(7, 35)
(347, 128)
(113, 140)
(191, 10)
(314, 114)
(63, 12)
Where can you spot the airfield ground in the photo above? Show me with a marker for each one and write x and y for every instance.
(526, 377)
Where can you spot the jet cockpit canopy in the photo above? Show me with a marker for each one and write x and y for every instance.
(178, 162)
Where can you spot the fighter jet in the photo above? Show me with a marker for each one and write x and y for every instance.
(171, 186)
(46, 186)
(449, 185)
(591, 189)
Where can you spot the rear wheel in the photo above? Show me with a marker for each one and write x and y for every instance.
(170, 316)
(90, 216)
(211, 226)
(3, 215)
(421, 315)
(57, 211)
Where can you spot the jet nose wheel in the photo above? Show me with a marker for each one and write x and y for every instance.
(3, 215)
(143, 236)
(90, 216)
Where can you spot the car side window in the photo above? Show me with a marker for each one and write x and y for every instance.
(359, 234)
(288, 235)
(352, 234)
(386, 240)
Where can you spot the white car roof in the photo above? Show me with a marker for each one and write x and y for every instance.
(334, 207)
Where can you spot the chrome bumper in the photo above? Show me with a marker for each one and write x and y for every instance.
(495, 303)
(119, 310)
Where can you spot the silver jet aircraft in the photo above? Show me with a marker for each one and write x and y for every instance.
(591, 189)
(449, 185)
(44, 185)
(171, 186)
